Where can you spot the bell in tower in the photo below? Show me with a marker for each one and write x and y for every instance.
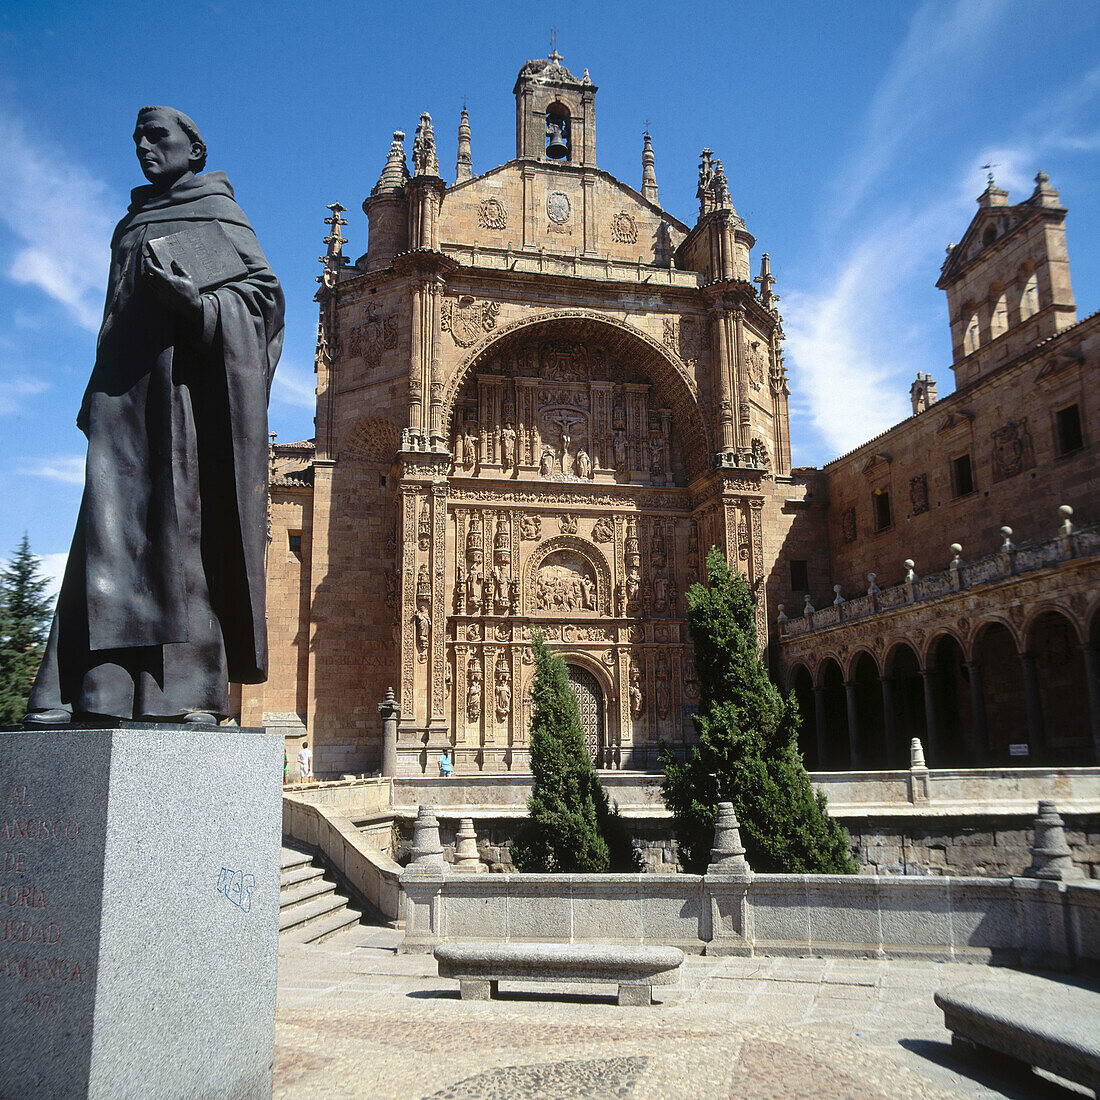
(557, 135)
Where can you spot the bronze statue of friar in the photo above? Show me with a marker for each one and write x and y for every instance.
(163, 599)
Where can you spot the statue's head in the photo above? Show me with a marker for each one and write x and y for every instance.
(168, 145)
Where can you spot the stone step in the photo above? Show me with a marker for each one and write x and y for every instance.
(291, 878)
(291, 858)
(320, 929)
(298, 916)
(302, 893)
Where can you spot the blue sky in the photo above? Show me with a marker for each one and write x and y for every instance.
(852, 135)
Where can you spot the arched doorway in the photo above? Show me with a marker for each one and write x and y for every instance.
(590, 703)
(870, 720)
(834, 708)
(1060, 671)
(903, 667)
(951, 684)
(997, 656)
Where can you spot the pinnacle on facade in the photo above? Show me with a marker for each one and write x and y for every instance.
(464, 166)
(768, 297)
(396, 172)
(649, 174)
(333, 259)
(713, 192)
(1044, 194)
(425, 162)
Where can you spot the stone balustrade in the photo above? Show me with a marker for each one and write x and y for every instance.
(1010, 560)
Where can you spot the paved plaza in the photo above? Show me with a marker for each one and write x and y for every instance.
(359, 1020)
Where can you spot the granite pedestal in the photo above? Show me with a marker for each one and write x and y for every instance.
(139, 901)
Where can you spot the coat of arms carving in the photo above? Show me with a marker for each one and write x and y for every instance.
(467, 319)
(491, 214)
(684, 337)
(848, 524)
(1012, 450)
(372, 336)
(918, 494)
(624, 229)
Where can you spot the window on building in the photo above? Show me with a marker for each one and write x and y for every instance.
(800, 576)
(1067, 424)
(1029, 298)
(998, 319)
(294, 540)
(971, 335)
(881, 500)
(962, 475)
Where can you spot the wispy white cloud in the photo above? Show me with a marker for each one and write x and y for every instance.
(12, 392)
(295, 386)
(939, 37)
(63, 217)
(53, 569)
(68, 469)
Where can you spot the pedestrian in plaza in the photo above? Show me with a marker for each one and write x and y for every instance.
(305, 763)
(446, 767)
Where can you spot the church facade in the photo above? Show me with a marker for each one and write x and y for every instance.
(541, 398)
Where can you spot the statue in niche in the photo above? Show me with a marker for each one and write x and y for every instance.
(530, 528)
(619, 447)
(657, 454)
(424, 527)
(504, 696)
(546, 462)
(423, 623)
(663, 692)
(469, 449)
(474, 590)
(502, 552)
(584, 465)
(508, 446)
(566, 458)
(660, 591)
(567, 524)
(637, 697)
(473, 691)
(633, 589)
(500, 589)
(423, 584)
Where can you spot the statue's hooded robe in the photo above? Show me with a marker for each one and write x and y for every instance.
(163, 595)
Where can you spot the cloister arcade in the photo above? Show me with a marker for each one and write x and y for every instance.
(1020, 689)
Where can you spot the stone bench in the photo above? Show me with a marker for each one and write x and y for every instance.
(1036, 1022)
(479, 967)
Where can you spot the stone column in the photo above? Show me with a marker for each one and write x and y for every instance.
(722, 365)
(853, 724)
(819, 728)
(931, 718)
(1034, 707)
(1092, 679)
(889, 721)
(389, 712)
(979, 734)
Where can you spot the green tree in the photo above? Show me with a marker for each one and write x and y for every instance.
(24, 622)
(570, 824)
(747, 750)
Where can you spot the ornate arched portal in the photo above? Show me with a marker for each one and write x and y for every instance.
(590, 703)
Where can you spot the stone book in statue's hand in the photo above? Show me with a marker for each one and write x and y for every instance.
(205, 252)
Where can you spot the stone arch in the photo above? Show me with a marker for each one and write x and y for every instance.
(1061, 724)
(372, 439)
(902, 665)
(927, 653)
(834, 751)
(590, 663)
(800, 680)
(793, 671)
(673, 384)
(857, 653)
(1053, 607)
(995, 651)
(945, 658)
(576, 545)
(869, 740)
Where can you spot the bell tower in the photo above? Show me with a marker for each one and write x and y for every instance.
(555, 113)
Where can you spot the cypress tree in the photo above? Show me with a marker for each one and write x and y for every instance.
(570, 824)
(24, 622)
(747, 750)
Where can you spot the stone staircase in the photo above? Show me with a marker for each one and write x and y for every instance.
(310, 907)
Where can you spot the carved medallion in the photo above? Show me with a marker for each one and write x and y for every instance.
(558, 207)
(467, 320)
(604, 530)
(491, 215)
(567, 523)
(530, 528)
(624, 230)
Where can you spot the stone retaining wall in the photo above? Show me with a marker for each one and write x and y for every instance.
(1006, 920)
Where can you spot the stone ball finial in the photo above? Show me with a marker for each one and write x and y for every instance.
(1006, 532)
(956, 548)
(1065, 511)
(909, 564)
(1051, 857)
(727, 857)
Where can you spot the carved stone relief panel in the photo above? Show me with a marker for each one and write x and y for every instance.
(372, 336)
(624, 230)
(1013, 451)
(492, 215)
(467, 319)
(565, 582)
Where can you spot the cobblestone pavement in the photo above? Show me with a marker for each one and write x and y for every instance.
(357, 1021)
